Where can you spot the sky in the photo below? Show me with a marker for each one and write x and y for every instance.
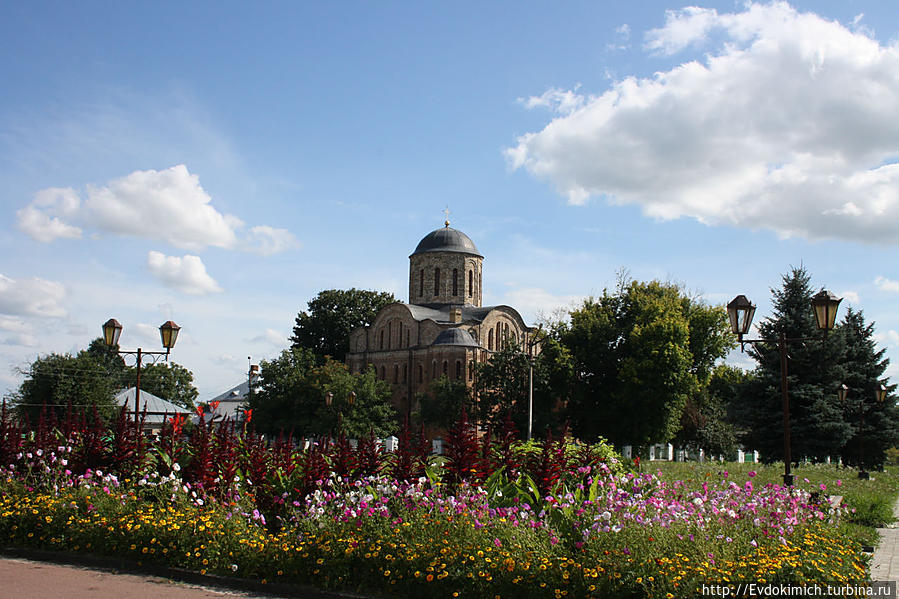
(220, 163)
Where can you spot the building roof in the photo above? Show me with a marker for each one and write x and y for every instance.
(455, 336)
(156, 407)
(441, 313)
(447, 240)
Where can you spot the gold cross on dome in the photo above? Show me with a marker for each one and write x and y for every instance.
(446, 211)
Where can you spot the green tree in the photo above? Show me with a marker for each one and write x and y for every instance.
(167, 380)
(441, 405)
(640, 353)
(503, 386)
(331, 317)
(704, 422)
(54, 381)
(290, 397)
(815, 371)
(875, 425)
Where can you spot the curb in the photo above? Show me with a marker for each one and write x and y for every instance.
(126, 566)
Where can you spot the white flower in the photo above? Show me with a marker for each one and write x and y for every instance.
(176, 467)
(234, 567)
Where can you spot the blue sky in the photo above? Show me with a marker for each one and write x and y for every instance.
(218, 164)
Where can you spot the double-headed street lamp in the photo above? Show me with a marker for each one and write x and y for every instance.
(740, 312)
(880, 394)
(112, 330)
(329, 399)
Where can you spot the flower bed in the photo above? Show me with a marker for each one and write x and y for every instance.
(562, 522)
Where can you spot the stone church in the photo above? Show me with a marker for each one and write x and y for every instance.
(444, 329)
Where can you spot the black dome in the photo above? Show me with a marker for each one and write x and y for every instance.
(447, 240)
(455, 336)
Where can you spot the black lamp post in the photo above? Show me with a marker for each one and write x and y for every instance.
(740, 312)
(351, 400)
(880, 393)
(168, 333)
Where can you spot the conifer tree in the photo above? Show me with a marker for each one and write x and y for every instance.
(874, 424)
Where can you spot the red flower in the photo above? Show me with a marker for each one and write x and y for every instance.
(249, 414)
(214, 405)
(200, 411)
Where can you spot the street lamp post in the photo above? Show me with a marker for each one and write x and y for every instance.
(168, 333)
(531, 359)
(329, 399)
(880, 394)
(740, 312)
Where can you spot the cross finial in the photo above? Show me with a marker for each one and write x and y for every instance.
(446, 211)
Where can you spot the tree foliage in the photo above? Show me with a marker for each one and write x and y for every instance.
(640, 353)
(290, 397)
(874, 425)
(503, 386)
(331, 316)
(54, 381)
(444, 401)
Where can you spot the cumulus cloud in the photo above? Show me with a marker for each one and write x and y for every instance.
(851, 296)
(272, 337)
(540, 303)
(787, 124)
(31, 297)
(265, 240)
(889, 339)
(887, 284)
(42, 218)
(168, 205)
(17, 332)
(186, 273)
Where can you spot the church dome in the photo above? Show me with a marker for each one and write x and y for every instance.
(447, 240)
(455, 336)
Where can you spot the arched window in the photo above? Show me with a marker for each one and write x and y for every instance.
(458, 369)
(405, 371)
(407, 337)
(436, 281)
(490, 340)
(445, 368)
(420, 374)
(389, 335)
(434, 370)
(383, 374)
(382, 339)
(471, 370)
(396, 374)
(421, 282)
(455, 281)
(470, 280)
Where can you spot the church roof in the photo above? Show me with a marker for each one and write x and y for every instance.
(447, 240)
(455, 336)
(441, 313)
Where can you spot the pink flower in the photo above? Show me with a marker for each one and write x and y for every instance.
(497, 542)
(752, 473)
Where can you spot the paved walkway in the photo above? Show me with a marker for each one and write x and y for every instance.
(885, 564)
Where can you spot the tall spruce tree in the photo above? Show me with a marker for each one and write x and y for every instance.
(875, 425)
(815, 371)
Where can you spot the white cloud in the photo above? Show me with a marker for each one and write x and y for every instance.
(540, 303)
(558, 100)
(187, 273)
(851, 296)
(42, 218)
(31, 297)
(19, 332)
(889, 338)
(790, 126)
(168, 205)
(265, 240)
(887, 284)
(272, 337)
